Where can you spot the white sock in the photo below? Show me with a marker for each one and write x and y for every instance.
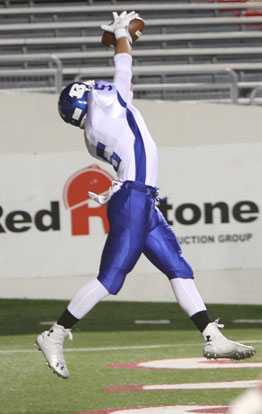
(187, 295)
(86, 298)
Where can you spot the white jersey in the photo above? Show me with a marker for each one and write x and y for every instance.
(115, 131)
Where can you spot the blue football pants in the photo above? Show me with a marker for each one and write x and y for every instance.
(137, 226)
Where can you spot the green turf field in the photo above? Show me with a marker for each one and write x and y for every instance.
(109, 336)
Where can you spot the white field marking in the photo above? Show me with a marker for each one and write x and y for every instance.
(164, 409)
(195, 363)
(204, 385)
(118, 348)
(187, 386)
(152, 322)
(47, 323)
(247, 321)
(109, 348)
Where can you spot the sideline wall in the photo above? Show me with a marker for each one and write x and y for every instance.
(209, 178)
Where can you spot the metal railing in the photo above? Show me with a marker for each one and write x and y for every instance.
(57, 72)
(233, 85)
(253, 96)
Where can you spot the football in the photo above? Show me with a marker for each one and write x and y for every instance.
(135, 29)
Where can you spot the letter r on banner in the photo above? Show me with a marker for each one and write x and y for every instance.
(76, 198)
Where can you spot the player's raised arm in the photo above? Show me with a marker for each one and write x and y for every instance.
(123, 46)
(123, 51)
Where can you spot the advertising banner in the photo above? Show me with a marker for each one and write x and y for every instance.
(210, 195)
(214, 203)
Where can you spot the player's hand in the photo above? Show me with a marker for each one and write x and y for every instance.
(120, 23)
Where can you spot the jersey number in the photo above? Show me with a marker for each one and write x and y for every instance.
(102, 87)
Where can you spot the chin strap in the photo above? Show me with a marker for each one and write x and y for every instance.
(82, 123)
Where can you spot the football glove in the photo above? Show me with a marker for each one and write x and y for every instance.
(119, 26)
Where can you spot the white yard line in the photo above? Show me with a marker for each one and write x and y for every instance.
(152, 322)
(248, 321)
(117, 348)
(109, 348)
(204, 385)
(187, 386)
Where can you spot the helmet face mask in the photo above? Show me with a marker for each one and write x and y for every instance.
(72, 103)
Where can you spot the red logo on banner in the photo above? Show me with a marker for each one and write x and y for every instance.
(76, 197)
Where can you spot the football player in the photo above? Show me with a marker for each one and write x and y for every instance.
(115, 132)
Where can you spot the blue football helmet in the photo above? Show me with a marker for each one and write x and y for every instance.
(72, 103)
